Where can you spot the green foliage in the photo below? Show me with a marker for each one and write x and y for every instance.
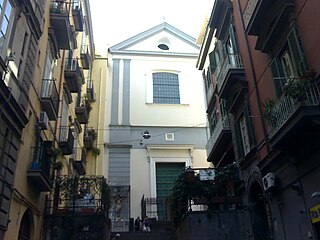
(296, 89)
(183, 190)
(268, 115)
(95, 151)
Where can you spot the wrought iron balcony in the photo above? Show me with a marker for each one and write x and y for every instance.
(59, 18)
(39, 170)
(210, 92)
(73, 75)
(79, 160)
(221, 135)
(66, 140)
(50, 98)
(91, 95)
(83, 201)
(82, 110)
(89, 137)
(85, 57)
(228, 73)
(295, 113)
(77, 16)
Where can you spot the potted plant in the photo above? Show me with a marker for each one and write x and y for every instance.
(268, 114)
(296, 88)
(95, 151)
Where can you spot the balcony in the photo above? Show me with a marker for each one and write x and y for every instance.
(266, 19)
(79, 160)
(91, 95)
(221, 17)
(59, 18)
(73, 75)
(229, 73)
(77, 16)
(66, 140)
(85, 57)
(89, 137)
(50, 98)
(82, 110)
(83, 201)
(210, 93)
(39, 170)
(294, 117)
(218, 142)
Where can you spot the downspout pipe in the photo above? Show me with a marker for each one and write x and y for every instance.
(265, 132)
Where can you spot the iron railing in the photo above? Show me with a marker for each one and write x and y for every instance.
(285, 106)
(59, 8)
(231, 61)
(49, 91)
(82, 195)
(223, 124)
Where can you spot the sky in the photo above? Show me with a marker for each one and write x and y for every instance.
(117, 20)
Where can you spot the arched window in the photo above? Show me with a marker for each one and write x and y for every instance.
(25, 226)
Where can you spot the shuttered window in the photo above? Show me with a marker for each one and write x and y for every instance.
(289, 63)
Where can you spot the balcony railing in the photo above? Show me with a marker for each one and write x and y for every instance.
(231, 61)
(222, 126)
(83, 195)
(39, 170)
(66, 140)
(91, 95)
(82, 110)
(210, 92)
(285, 107)
(79, 160)
(77, 16)
(59, 18)
(50, 98)
(85, 57)
(89, 137)
(73, 75)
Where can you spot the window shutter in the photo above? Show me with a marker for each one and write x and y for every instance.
(213, 62)
(297, 52)
(249, 125)
(278, 76)
(239, 139)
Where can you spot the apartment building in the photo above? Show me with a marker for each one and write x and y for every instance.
(49, 141)
(260, 66)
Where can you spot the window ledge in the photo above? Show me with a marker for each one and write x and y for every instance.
(167, 104)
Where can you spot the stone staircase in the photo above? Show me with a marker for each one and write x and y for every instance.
(159, 231)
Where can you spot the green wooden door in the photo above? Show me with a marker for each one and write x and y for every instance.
(166, 174)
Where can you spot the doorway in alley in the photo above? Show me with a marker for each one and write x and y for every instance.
(166, 174)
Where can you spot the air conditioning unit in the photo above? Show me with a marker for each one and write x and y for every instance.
(44, 120)
(269, 181)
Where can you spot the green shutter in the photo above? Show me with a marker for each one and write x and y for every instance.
(239, 139)
(249, 125)
(278, 76)
(296, 52)
(213, 62)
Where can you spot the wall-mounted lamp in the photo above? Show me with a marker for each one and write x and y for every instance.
(146, 134)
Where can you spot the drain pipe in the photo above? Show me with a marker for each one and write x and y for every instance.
(265, 132)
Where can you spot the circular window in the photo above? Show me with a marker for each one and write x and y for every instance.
(163, 46)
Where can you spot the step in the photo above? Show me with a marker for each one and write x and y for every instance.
(155, 235)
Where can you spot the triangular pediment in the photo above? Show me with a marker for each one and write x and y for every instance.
(161, 39)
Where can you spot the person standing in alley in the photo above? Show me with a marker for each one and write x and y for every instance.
(137, 224)
(146, 224)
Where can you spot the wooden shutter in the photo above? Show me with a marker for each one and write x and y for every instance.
(296, 52)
